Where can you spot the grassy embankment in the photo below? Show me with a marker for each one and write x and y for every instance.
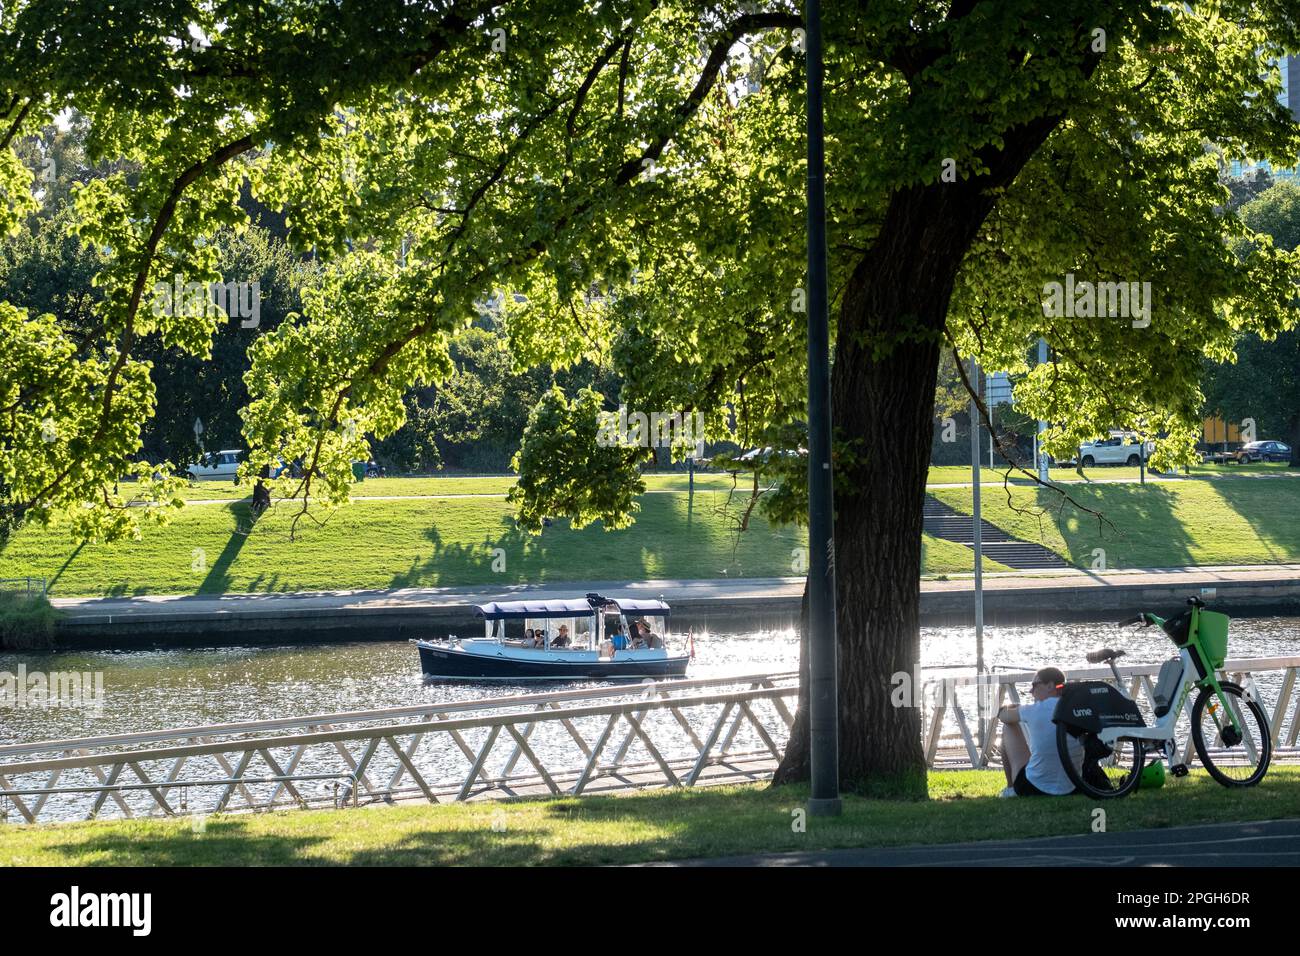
(417, 543)
(709, 481)
(1162, 525)
(26, 622)
(641, 827)
(453, 541)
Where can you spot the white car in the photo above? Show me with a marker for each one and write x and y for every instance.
(1118, 449)
(215, 464)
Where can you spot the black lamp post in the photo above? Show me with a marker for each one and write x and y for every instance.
(822, 693)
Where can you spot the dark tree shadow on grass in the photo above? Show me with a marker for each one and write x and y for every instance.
(219, 578)
(668, 540)
(662, 825)
(1146, 531)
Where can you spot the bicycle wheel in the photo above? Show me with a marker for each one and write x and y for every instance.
(1233, 760)
(1106, 772)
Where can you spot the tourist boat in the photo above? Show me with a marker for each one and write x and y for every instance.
(591, 623)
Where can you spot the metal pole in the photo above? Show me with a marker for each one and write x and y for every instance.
(823, 702)
(977, 542)
(1042, 425)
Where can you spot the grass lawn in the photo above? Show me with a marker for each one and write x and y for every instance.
(705, 481)
(417, 543)
(449, 485)
(1155, 526)
(960, 474)
(454, 541)
(654, 825)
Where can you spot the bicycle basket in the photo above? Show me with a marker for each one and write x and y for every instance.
(1213, 632)
(1178, 627)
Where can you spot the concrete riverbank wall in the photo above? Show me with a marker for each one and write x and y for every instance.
(704, 605)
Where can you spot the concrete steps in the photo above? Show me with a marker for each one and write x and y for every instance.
(940, 521)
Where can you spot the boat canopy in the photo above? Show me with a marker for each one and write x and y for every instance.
(577, 607)
(631, 606)
(511, 610)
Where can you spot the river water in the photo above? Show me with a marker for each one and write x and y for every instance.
(175, 687)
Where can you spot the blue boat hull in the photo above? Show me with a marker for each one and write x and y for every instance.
(444, 663)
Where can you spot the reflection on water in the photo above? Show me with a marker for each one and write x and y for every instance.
(155, 689)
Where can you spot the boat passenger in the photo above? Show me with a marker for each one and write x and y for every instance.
(618, 639)
(561, 639)
(648, 637)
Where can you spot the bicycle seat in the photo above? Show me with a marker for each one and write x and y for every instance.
(1103, 655)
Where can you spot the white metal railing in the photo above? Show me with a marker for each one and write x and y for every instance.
(563, 742)
(941, 698)
(566, 742)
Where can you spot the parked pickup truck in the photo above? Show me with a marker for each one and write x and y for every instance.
(1118, 449)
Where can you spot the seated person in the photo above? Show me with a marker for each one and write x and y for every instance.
(648, 637)
(618, 639)
(1033, 765)
(561, 639)
(528, 637)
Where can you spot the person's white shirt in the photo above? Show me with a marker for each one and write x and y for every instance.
(1044, 769)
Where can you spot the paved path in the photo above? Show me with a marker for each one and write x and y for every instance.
(744, 590)
(1271, 843)
(707, 488)
(421, 598)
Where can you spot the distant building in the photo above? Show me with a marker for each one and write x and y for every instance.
(1291, 90)
(1290, 98)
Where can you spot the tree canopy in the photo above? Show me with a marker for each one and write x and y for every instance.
(628, 176)
(634, 169)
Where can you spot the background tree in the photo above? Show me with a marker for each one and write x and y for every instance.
(212, 388)
(1262, 381)
(475, 419)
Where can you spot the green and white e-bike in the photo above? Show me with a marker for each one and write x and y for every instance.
(1229, 728)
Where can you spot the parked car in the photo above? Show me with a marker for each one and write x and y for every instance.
(215, 465)
(1119, 449)
(1263, 451)
(222, 464)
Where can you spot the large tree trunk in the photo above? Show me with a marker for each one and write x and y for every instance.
(888, 337)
